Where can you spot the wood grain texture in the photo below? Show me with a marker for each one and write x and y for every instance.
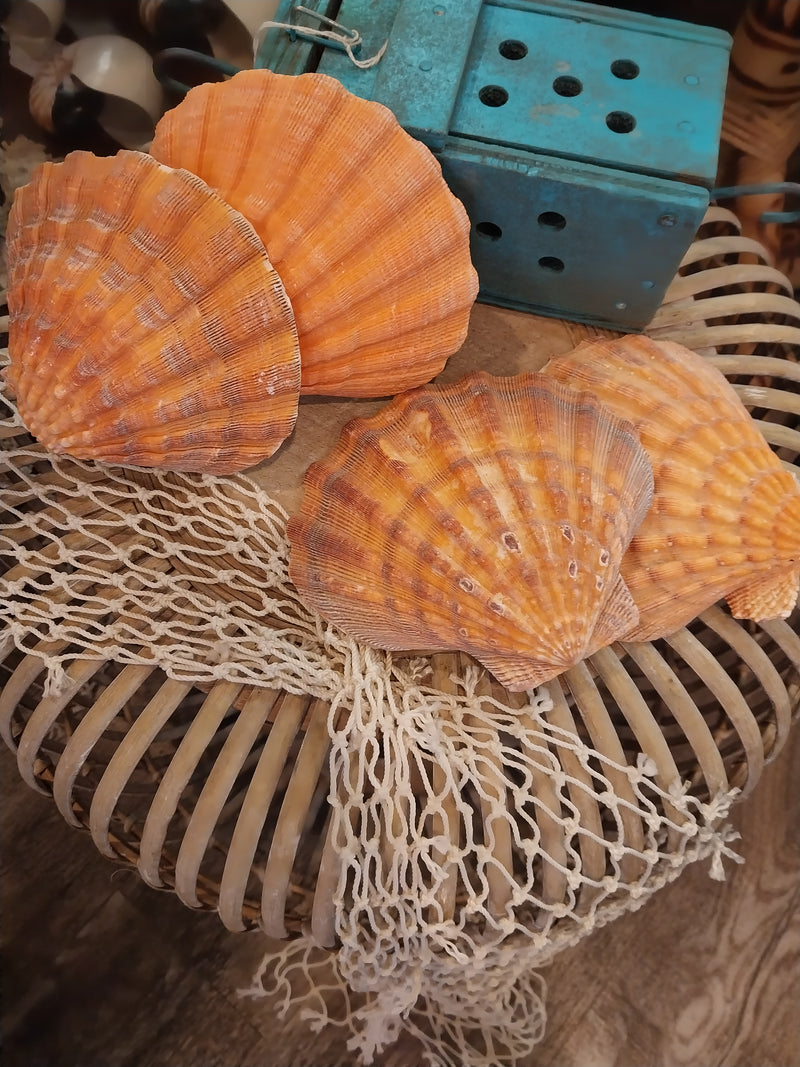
(101, 971)
(707, 974)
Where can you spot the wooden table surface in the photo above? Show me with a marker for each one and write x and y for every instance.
(101, 971)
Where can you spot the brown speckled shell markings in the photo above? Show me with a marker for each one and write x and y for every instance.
(488, 516)
(147, 326)
(725, 520)
(370, 243)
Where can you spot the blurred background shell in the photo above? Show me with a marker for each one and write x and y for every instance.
(725, 520)
(370, 243)
(488, 516)
(103, 78)
(30, 27)
(57, 101)
(147, 325)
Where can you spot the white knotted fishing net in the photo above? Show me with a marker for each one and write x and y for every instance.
(440, 924)
(184, 572)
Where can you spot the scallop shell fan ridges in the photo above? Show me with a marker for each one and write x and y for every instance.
(488, 516)
(370, 243)
(725, 520)
(147, 326)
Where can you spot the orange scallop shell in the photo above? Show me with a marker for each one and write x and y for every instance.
(488, 516)
(372, 246)
(147, 326)
(725, 520)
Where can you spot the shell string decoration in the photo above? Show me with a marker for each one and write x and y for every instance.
(146, 324)
(370, 243)
(725, 520)
(489, 516)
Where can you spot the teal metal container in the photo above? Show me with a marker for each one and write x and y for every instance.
(582, 140)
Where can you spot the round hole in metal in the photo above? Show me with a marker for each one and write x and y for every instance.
(513, 49)
(493, 95)
(620, 121)
(566, 85)
(489, 230)
(551, 263)
(625, 69)
(552, 220)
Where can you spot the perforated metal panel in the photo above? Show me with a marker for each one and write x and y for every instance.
(582, 140)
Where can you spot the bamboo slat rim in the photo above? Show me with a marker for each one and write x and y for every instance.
(717, 680)
(684, 710)
(175, 778)
(125, 759)
(254, 810)
(94, 724)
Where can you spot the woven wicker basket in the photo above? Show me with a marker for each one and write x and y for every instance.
(220, 792)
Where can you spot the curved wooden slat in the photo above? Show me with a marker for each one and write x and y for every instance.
(255, 808)
(215, 791)
(323, 911)
(496, 832)
(716, 307)
(781, 436)
(130, 752)
(640, 719)
(700, 335)
(787, 639)
(768, 366)
(685, 712)
(448, 823)
(605, 740)
(767, 397)
(177, 775)
(20, 681)
(554, 853)
(582, 795)
(730, 699)
(88, 732)
(725, 245)
(302, 784)
(706, 281)
(754, 656)
(46, 714)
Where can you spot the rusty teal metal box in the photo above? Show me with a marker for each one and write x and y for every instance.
(582, 140)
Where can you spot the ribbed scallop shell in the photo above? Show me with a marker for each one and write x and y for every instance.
(370, 243)
(488, 516)
(725, 520)
(147, 326)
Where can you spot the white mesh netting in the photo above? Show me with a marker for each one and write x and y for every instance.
(178, 570)
(444, 912)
